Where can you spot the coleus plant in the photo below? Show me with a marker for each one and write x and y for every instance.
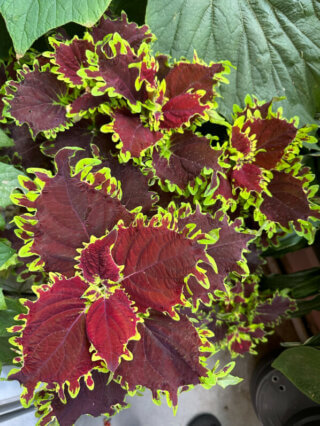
(144, 228)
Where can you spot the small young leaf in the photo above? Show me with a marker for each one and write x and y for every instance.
(111, 323)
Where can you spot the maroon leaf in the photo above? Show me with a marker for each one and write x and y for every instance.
(180, 109)
(102, 399)
(96, 260)
(183, 77)
(226, 252)
(82, 135)
(117, 75)
(156, 260)
(134, 136)
(165, 358)
(272, 136)
(68, 212)
(219, 328)
(36, 101)
(25, 151)
(134, 185)
(87, 102)
(272, 310)
(164, 68)
(111, 322)
(240, 346)
(288, 203)
(240, 141)
(55, 326)
(189, 154)
(129, 31)
(71, 57)
(248, 176)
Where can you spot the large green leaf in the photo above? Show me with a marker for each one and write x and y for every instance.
(275, 45)
(8, 182)
(27, 20)
(301, 365)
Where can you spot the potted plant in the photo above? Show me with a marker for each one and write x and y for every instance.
(141, 219)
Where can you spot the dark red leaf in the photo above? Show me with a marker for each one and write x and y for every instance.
(117, 75)
(220, 329)
(96, 261)
(82, 135)
(36, 101)
(100, 400)
(68, 212)
(272, 310)
(55, 326)
(272, 137)
(134, 185)
(248, 176)
(111, 322)
(156, 260)
(87, 102)
(241, 346)
(134, 136)
(71, 57)
(240, 141)
(288, 203)
(129, 31)
(25, 151)
(164, 67)
(178, 110)
(189, 154)
(226, 252)
(165, 358)
(183, 77)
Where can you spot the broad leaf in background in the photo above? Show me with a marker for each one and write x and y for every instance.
(8, 182)
(272, 43)
(27, 20)
(301, 365)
